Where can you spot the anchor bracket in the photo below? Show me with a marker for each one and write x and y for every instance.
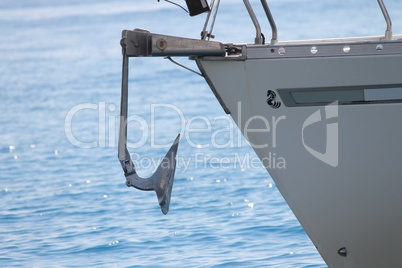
(142, 43)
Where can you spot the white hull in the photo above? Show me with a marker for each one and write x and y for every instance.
(343, 173)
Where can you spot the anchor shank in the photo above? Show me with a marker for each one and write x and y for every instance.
(122, 152)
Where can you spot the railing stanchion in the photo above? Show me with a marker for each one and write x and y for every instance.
(258, 36)
(271, 20)
(388, 31)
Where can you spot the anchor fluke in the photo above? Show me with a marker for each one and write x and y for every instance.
(161, 181)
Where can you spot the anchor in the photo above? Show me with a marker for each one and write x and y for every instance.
(142, 43)
(162, 180)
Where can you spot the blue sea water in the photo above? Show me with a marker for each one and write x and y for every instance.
(63, 198)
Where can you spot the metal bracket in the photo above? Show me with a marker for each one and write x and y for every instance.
(142, 43)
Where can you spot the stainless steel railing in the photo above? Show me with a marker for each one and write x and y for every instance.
(259, 38)
(271, 21)
(258, 35)
(388, 31)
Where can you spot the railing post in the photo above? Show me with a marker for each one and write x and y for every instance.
(388, 31)
(271, 20)
(258, 36)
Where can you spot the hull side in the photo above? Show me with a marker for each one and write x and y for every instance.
(347, 193)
